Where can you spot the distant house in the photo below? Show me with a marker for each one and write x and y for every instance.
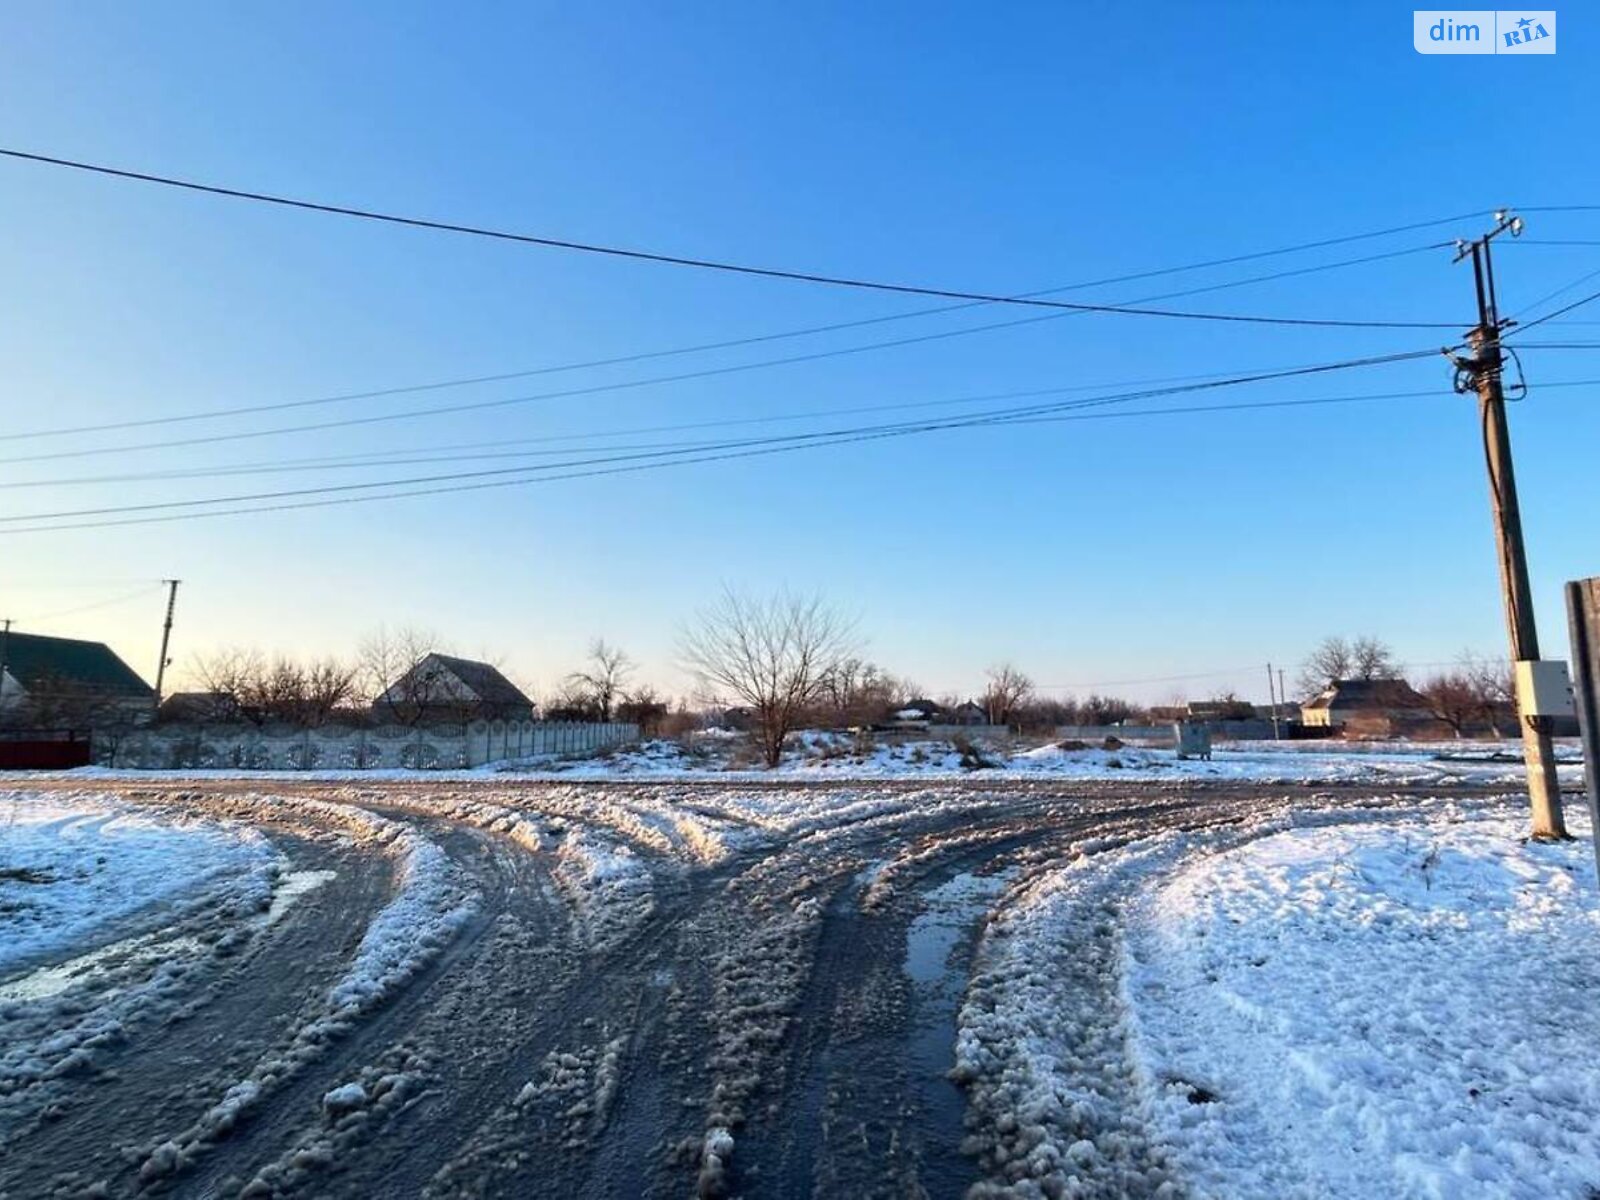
(915, 714)
(442, 687)
(68, 682)
(199, 708)
(1225, 708)
(968, 712)
(1369, 708)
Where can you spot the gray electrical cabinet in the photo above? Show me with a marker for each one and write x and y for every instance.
(1194, 739)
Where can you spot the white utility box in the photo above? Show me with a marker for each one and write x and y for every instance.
(1543, 688)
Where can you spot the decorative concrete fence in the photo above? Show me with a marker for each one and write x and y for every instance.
(343, 748)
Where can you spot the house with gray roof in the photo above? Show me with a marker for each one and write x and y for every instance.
(1370, 708)
(442, 687)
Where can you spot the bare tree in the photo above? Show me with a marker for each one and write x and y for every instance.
(1453, 697)
(1335, 658)
(1007, 690)
(330, 684)
(233, 673)
(572, 701)
(857, 692)
(608, 669)
(1373, 659)
(644, 707)
(259, 690)
(771, 654)
(384, 678)
(1105, 710)
(1494, 685)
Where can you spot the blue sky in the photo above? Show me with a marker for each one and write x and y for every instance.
(957, 146)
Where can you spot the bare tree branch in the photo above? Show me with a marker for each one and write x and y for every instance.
(770, 654)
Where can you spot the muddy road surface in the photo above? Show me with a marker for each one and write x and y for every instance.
(493, 989)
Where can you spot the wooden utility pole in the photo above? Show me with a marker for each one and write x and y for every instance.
(166, 636)
(1272, 701)
(1482, 373)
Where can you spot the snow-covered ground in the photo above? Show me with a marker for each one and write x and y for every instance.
(1333, 1006)
(1375, 1011)
(72, 866)
(821, 755)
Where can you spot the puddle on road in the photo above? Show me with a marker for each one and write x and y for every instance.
(938, 951)
(134, 951)
(291, 886)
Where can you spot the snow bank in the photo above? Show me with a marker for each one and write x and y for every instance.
(1360, 1010)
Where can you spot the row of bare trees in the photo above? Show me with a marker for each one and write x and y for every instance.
(1478, 693)
(243, 684)
(788, 660)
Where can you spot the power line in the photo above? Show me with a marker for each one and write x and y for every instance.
(36, 618)
(1553, 345)
(759, 339)
(635, 468)
(598, 389)
(1548, 296)
(499, 447)
(705, 263)
(1058, 687)
(453, 482)
(1566, 308)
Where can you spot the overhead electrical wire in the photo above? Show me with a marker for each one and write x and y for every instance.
(458, 481)
(414, 457)
(759, 339)
(841, 281)
(633, 468)
(1550, 316)
(596, 389)
(1549, 296)
(445, 453)
(35, 619)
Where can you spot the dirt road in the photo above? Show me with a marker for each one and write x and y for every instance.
(597, 990)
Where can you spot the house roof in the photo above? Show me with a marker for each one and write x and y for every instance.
(190, 706)
(485, 680)
(33, 660)
(1368, 693)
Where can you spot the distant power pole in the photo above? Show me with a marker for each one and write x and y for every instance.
(166, 635)
(5, 655)
(1272, 701)
(1481, 373)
